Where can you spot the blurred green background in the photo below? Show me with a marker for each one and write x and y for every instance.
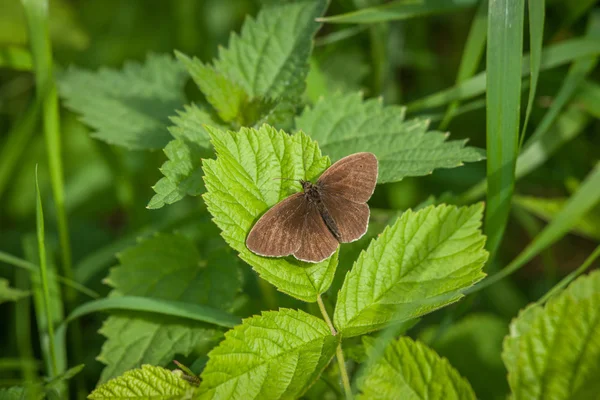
(107, 188)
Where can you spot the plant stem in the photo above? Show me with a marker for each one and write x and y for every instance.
(326, 315)
(339, 353)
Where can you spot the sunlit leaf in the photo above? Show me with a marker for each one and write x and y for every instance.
(552, 351)
(345, 124)
(273, 356)
(421, 263)
(410, 370)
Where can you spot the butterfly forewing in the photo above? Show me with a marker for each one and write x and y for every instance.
(317, 241)
(279, 231)
(353, 177)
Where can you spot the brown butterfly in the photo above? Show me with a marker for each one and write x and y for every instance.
(311, 224)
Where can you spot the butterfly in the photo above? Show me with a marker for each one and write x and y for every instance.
(312, 223)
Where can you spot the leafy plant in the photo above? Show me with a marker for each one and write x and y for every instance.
(247, 99)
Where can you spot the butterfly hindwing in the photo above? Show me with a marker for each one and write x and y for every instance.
(279, 231)
(317, 241)
(351, 219)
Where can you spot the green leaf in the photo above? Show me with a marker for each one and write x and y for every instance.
(147, 382)
(225, 96)
(345, 124)
(421, 263)
(182, 173)
(552, 351)
(399, 10)
(241, 187)
(10, 294)
(503, 109)
(277, 355)
(547, 209)
(412, 371)
(269, 58)
(165, 267)
(480, 336)
(128, 107)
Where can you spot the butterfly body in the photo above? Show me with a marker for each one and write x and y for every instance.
(311, 224)
(312, 192)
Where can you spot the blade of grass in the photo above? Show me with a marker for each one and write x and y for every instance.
(571, 277)
(570, 124)
(36, 13)
(398, 10)
(503, 98)
(194, 312)
(39, 219)
(578, 71)
(461, 109)
(31, 267)
(23, 332)
(16, 58)
(586, 197)
(471, 56)
(16, 142)
(552, 56)
(340, 35)
(537, 9)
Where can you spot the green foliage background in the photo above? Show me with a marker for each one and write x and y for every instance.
(157, 129)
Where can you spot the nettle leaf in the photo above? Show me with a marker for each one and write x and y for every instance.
(224, 95)
(421, 263)
(277, 355)
(129, 107)
(147, 382)
(182, 172)
(8, 293)
(261, 76)
(410, 370)
(344, 123)
(166, 267)
(269, 58)
(553, 351)
(244, 182)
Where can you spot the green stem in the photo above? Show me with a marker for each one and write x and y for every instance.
(326, 315)
(339, 353)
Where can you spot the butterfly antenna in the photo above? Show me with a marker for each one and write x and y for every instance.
(286, 179)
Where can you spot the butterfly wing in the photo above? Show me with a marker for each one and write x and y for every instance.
(353, 177)
(351, 219)
(279, 231)
(317, 242)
